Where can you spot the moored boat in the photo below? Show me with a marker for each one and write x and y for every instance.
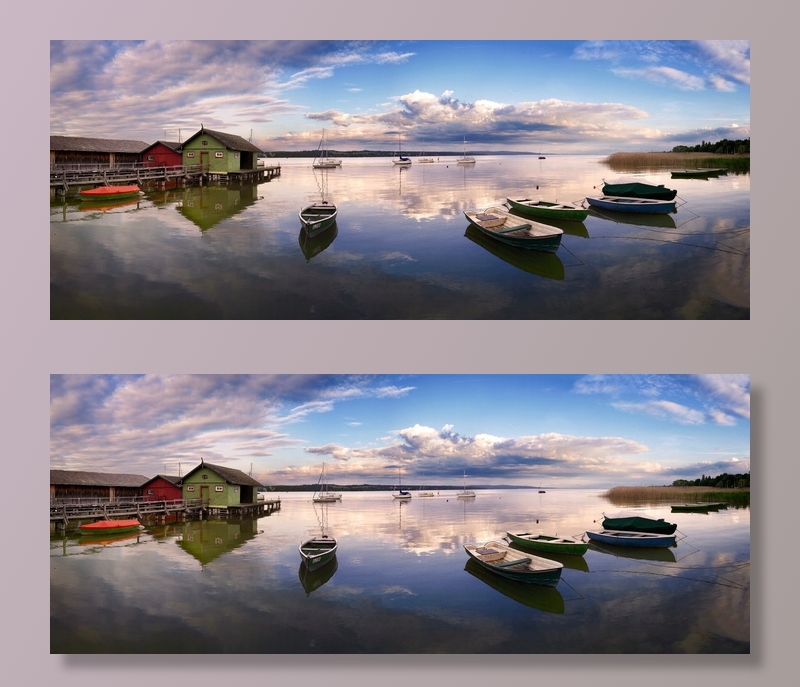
(515, 565)
(318, 551)
(637, 205)
(638, 523)
(322, 495)
(465, 159)
(694, 173)
(634, 539)
(110, 192)
(548, 544)
(110, 526)
(401, 160)
(318, 217)
(321, 160)
(638, 189)
(401, 494)
(465, 493)
(515, 231)
(547, 210)
(695, 507)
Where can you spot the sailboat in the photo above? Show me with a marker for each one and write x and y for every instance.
(465, 493)
(400, 493)
(322, 495)
(466, 159)
(424, 493)
(421, 158)
(322, 161)
(400, 159)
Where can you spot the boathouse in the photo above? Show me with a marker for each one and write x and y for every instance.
(72, 486)
(162, 154)
(220, 153)
(76, 152)
(162, 488)
(219, 487)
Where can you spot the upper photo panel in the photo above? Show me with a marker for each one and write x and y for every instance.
(400, 180)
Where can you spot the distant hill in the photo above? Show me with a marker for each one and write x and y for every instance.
(385, 153)
(388, 487)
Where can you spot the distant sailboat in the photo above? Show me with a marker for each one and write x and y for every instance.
(465, 493)
(401, 160)
(421, 158)
(466, 159)
(322, 161)
(424, 493)
(400, 493)
(322, 495)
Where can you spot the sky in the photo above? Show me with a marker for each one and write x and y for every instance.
(553, 97)
(553, 431)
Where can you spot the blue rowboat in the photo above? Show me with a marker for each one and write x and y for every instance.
(637, 205)
(637, 539)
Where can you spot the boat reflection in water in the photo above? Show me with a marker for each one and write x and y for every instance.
(568, 561)
(314, 245)
(106, 205)
(107, 539)
(661, 554)
(540, 263)
(570, 227)
(540, 597)
(312, 580)
(663, 220)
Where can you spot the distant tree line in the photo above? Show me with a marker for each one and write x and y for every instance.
(723, 147)
(723, 481)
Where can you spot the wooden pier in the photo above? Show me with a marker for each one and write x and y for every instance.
(74, 178)
(62, 514)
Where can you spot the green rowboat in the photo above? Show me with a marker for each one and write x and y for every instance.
(547, 210)
(547, 544)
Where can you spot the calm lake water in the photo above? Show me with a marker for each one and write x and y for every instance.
(401, 583)
(401, 249)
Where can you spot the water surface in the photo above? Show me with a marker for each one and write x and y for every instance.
(401, 583)
(401, 248)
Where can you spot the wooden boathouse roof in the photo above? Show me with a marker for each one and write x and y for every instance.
(230, 141)
(172, 145)
(172, 479)
(95, 479)
(230, 475)
(80, 144)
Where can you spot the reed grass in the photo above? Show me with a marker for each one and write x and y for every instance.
(633, 496)
(656, 162)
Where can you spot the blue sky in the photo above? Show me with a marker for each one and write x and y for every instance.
(593, 97)
(555, 430)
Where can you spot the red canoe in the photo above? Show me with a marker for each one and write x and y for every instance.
(110, 192)
(110, 526)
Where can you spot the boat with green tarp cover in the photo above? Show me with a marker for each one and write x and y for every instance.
(637, 189)
(638, 523)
